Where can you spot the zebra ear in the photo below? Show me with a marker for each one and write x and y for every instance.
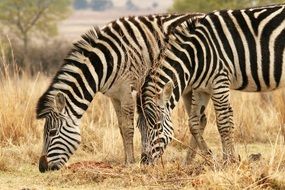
(59, 102)
(134, 93)
(166, 93)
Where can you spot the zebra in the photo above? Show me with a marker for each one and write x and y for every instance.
(222, 50)
(107, 60)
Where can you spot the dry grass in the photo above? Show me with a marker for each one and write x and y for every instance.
(258, 121)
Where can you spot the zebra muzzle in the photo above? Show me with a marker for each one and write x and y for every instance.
(43, 164)
(145, 159)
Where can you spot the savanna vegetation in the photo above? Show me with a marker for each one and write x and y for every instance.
(98, 164)
(211, 5)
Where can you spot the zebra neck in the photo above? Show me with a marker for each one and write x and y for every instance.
(76, 104)
(78, 88)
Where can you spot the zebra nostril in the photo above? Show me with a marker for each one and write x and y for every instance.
(145, 159)
(43, 164)
(54, 167)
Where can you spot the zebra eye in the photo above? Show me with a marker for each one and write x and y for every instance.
(158, 123)
(52, 132)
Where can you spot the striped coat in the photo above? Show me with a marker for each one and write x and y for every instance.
(109, 61)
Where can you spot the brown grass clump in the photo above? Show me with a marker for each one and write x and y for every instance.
(98, 162)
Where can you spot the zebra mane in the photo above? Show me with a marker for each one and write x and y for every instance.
(85, 40)
(44, 105)
(184, 19)
(92, 33)
(46, 102)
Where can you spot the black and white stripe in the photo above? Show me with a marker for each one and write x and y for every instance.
(229, 49)
(108, 60)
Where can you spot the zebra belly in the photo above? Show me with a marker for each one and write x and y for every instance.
(253, 87)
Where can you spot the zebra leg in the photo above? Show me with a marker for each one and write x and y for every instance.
(197, 123)
(125, 115)
(224, 117)
(187, 99)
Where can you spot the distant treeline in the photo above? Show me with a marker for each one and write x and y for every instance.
(97, 5)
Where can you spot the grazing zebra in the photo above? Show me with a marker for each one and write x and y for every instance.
(229, 49)
(107, 61)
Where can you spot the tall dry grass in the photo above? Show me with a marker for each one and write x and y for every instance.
(258, 129)
(258, 117)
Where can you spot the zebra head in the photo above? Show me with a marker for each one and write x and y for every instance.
(154, 121)
(61, 134)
